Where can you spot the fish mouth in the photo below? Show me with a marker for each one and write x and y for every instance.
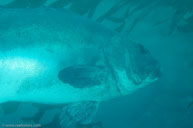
(141, 68)
(146, 77)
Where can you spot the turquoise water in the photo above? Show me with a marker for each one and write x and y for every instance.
(164, 27)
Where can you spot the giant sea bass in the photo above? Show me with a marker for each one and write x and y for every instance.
(52, 56)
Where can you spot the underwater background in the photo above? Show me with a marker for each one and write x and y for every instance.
(165, 27)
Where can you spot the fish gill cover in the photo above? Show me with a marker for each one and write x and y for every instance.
(164, 27)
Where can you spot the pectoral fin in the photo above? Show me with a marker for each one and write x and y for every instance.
(82, 76)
